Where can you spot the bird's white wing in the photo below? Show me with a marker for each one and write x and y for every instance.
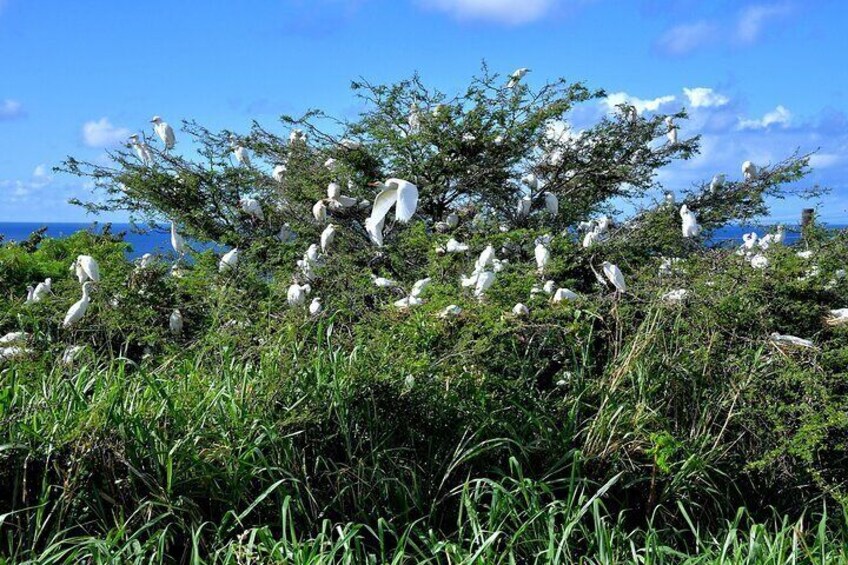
(91, 268)
(407, 201)
(382, 204)
(375, 231)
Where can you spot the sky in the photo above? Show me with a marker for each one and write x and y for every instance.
(759, 79)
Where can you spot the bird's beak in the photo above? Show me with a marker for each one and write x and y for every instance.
(375, 183)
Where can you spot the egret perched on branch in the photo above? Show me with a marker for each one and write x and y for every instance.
(551, 203)
(337, 199)
(675, 296)
(790, 340)
(543, 256)
(252, 208)
(520, 310)
(484, 281)
(759, 261)
(613, 273)
(450, 311)
(229, 261)
(315, 307)
(672, 130)
(319, 212)
(401, 194)
(141, 150)
(530, 181)
(516, 76)
(78, 310)
(453, 246)
(327, 237)
(164, 131)
(175, 322)
(296, 294)
(86, 268)
(717, 182)
(146, 261)
(523, 208)
(690, 222)
(239, 152)
(383, 282)
(414, 298)
(563, 294)
(749, 170)
(29, 299)
(177, 241)
(278, 173)
(42, 289)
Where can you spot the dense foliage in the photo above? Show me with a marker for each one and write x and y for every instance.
(616, 426)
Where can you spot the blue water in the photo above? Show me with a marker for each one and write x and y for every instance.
(160, 241)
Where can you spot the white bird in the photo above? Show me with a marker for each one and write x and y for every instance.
(7, 353)
(672, 130)
(531, 181)
(375, 230)
(141, 150)
(414, 119)
(452, 220)
(401, 194)
(327, 237)
(759, 261)
(405, 303)
(334, 190)
(71, 353)
(30, 291)
(669, 198)
(350, 144)
(749, 170)
(523, 208)
(419, 287)
(613, 273)
(87, 268)
(239, 152)
(487, 256)
(562, 294)
(175, 322)
(548, 287)
(552, 203)
(78, 310)
(296, 294)
(791, 340)
(278, 173)
(717, 182)
(42, 289)
(252, 208)
(520, 310)
(675, 296)
(690, 226)
(499, 139)
(468, 137)
(146, 261)
(331, 164)
(319, 212)
(484, 282)
(667, 265)
(454, 246)
(315, 307)
(229, 260)
(749, 241)
(543, 256)
(14, 337)
(451, 311)
(296, 136)
(805, 254)
(383, 282)
(177, 241)
(164, 131)
(516, 76)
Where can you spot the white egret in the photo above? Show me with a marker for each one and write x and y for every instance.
(749, 170)
(29, 298)
(749, 241)
(454, 246)
(405, 303)
(319, 212)
(229, 261)
(296, 294)
(451, 311)
(334, 190)
(759, 261)
(838, 317)
(516, 76)
(331, 164)
(89, 267)
(690, 226)
(717, 182)
(414, 119)
(675, 296)
(78, 310)
(401, 194)
(790, 340)
(520, 310)
(239, 152)
(805, 254)
(468, 137)
(452, 220)
(486, 257)
(177, 241)
(278, 173)
(523, 208)
(70, 354)
(146, 261)
(142, 150)
(383, 282)
(327, 237)
(315, 307)
(549, 287)
(351, 144)
(531, 181)
(551, 203)
(419, 286)
(175, 322)
(613, 273)
(296, 136)
(672, 130)
(563, 294)
(484, 281)
(164, 131)
(375, 230)
(252, 208)
(543, 256)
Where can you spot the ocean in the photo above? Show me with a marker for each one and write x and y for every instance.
(160, 241)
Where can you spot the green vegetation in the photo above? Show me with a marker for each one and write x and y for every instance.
(606, 429)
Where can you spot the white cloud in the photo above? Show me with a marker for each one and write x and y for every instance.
(642, 106)
(10, 109)
(102, 133)
(511, 12)
(685, 38)
(753, 19)
(780, 116)
(40, 171)
(701, 97)
(825, 160)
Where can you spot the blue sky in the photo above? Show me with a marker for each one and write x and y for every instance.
(759, 78)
